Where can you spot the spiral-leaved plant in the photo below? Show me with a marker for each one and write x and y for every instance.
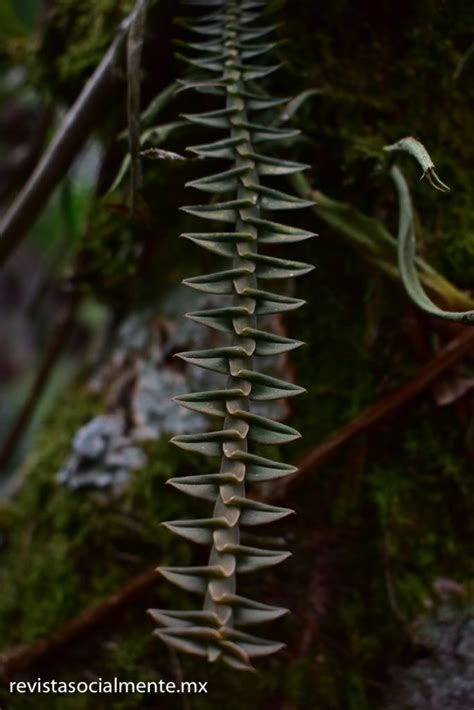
(214, 632)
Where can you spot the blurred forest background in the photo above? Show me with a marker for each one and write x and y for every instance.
(380, 582)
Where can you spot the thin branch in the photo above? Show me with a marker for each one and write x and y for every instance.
(45, 369)
(460, 67)
(134, 60)
(380, 410)
(76, 127)
(20, 658)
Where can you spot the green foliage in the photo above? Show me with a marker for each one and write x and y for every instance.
(28, 11)
(77, 37)
(406, 246)
(405, 94)
(37, 597)
(372, 240)
(11, 25)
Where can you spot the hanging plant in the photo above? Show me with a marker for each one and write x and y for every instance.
(215, 631)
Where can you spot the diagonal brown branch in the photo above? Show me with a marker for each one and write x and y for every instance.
(425, 376)
(78, 123)
(22, 657)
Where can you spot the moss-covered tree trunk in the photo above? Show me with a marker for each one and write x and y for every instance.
(382, 538)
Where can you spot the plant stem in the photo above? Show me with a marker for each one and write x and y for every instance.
(78, 123)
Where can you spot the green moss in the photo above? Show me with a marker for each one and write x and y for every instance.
(409, 90)
(39, 579)
(75, 40)
(413, 485)
(64, 549)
